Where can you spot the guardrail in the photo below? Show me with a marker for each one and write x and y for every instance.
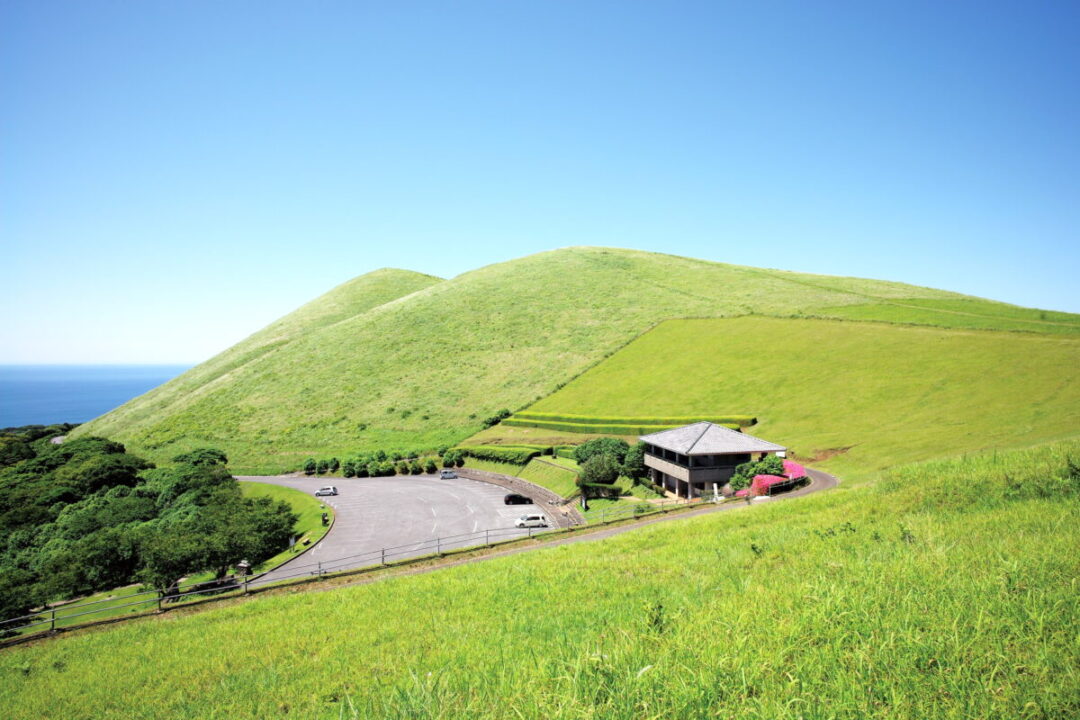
(32, 625)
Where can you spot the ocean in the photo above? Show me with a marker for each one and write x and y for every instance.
(45, 394)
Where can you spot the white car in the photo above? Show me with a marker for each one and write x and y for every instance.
(328, 490)
(532, 520)
(447, 475)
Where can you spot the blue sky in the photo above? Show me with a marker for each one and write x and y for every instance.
(174, 176)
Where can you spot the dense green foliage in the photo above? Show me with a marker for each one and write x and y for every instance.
(945, 591)
(86, 516)
(358, 368)
(601, 469)
(615, 448)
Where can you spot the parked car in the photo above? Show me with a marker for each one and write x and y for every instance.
(533, 520)
(515, 499)
(448, 475)
(328, 490)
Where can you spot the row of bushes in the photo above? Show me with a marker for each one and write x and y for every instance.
(595, 428)
(737, 420)
(380, 464)
(501, 453)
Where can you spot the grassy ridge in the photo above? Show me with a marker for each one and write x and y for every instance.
(946, 591)
(420, 362)
(552, 473)
(857, 396)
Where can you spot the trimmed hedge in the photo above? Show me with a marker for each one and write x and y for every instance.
(595, 428)
(598, 490)
(676, 420)
(500, 453)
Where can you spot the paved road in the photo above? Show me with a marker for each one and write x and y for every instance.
(403, 513)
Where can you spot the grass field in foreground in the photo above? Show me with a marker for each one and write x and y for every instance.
(947, 590)
(878, 395)
(401, 361)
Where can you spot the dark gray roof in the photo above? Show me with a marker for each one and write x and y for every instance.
(705, 438)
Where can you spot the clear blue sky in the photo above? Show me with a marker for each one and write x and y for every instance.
(175, 175)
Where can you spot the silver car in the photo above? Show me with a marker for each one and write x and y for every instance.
(328, 490)
(531, 520)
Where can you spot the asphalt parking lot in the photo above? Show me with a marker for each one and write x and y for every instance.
(401, 513)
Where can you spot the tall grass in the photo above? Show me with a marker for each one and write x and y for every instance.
(946, 591)
(398, 360)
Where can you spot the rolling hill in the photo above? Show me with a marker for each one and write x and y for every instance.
(401, 360)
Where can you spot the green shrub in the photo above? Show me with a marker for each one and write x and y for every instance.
(322, 467)
(496, 418)
(634, 462)
(401, 468)
(592, 491)
(348, 469)
(430, 467)
(613, 447)
(500, 453)
(600, 469)
(309, 466)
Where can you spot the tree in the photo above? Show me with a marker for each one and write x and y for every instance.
(634, 462)
(309, 466)
(334, 464)
(430, 467)
(348, 469)
(13, 450)
(321, 467)
(615, 447)
(599, 470)
(202, 456)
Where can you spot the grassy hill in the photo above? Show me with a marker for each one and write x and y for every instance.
(948, 590)
(850, 396)
(401, 360)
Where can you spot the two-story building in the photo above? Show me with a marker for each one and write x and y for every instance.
(689, 460)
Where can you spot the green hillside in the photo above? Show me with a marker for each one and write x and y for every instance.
(851, 396)
(358, 370)
(947, 590)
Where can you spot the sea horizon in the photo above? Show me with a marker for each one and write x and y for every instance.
(47, 393)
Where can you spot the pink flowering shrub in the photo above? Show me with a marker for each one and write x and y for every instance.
(794, 470)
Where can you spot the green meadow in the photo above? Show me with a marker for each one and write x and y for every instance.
(852, 397)
(946, 589)
(399, 360)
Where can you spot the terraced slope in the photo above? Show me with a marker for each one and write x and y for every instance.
(425, 369)
(854, 396)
